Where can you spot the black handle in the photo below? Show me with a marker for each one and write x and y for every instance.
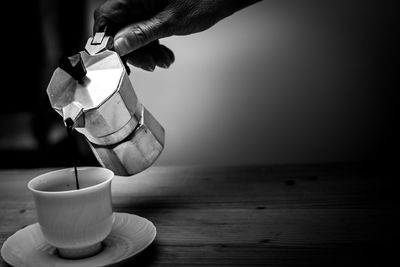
(124, 60)
(74, 66)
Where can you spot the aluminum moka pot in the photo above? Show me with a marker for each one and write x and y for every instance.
(92, 90)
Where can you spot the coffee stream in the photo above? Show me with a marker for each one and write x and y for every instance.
(69, 123)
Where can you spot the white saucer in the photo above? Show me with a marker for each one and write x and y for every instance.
(130, 235)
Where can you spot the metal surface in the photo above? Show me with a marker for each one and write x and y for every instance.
(104, 74)
(124, 136)
(138, 151)
(74, 111)
(105, 95)
(98, 43)
(101, 119)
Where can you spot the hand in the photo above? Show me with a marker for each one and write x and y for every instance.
(137, 25)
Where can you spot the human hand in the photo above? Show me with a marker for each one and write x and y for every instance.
(137, 25)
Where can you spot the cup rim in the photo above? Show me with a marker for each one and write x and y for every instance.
(94, 187)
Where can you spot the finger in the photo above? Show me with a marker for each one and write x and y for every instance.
(170, 53)
(154, 43)
(142, 59)
(100, 21)
(139, 34)
(161, 56)
(111, 14)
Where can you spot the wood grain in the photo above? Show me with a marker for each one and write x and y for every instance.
(326, 215)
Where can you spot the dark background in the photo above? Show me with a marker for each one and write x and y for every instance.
(280, 82)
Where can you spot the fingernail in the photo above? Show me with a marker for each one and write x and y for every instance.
(164, 65)
(149, 68)
(120, 46)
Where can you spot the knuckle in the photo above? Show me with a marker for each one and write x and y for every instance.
(168, 20)
(137, 36)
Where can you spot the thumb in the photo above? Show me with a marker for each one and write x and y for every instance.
(139, 34)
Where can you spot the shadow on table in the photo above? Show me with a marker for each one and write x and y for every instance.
(144, 258)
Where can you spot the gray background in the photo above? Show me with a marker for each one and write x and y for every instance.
(279, 82)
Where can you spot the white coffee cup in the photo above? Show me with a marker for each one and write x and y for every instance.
(74, 221)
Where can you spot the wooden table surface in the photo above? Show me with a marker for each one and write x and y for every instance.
(261, 215)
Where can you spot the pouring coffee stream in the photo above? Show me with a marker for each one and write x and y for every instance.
(92, 91)
(69, 123)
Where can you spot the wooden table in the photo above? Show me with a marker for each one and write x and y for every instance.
(261, 215)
